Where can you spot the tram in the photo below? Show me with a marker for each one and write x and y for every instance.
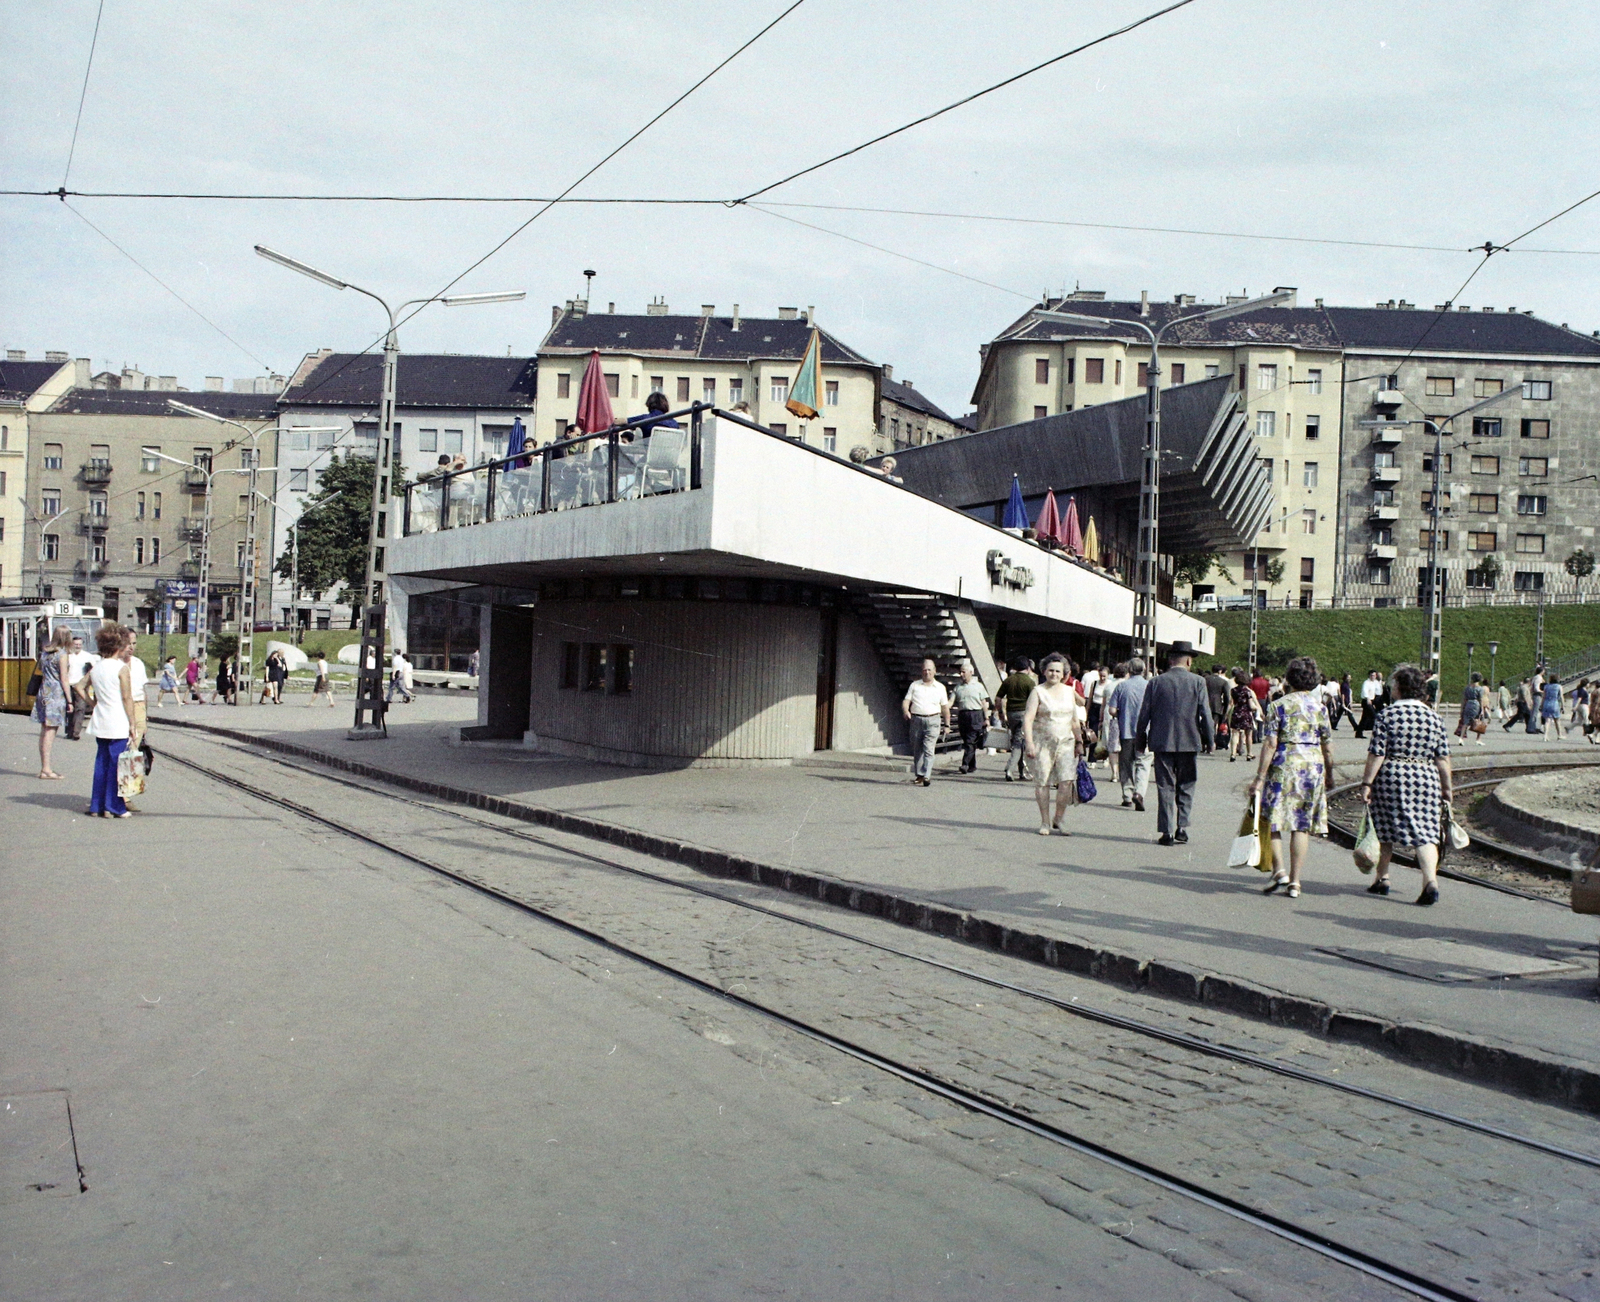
(26, 626)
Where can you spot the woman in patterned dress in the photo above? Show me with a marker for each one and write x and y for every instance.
(1407, 781)
(50, 705)
(1293, 777)
(1242, 722)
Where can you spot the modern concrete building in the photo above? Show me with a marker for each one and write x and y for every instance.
(726, 360)
(25, 388)
(446, 406)
(761, 601)
(111, 521)
(909, 419)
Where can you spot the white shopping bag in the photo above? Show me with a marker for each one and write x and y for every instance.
(1246, 849)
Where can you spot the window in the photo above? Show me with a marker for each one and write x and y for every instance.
(779, 428)
(1383, 460)
(155, 513)
(1314, 381)
(1308, 475)
(562, 426)
(830, 393)
(1383, 535)
(450, 440)
(1424, 537)
(563, 384)
(97, 504)
(1266, 376)
(571, 660)
(894, 431)
(297, 440)
(736, 391)
(1094, 370)
(138, 507)
(1530, 544)
(1485, 388)
(658, 384)
(1041, 370)
(1533, 465)
(1144, 375)
(1380, 573)
(1266, 424)
(1486, 465)
(1250, 566)
(155, 551)
(52, 456)
(1039, 413)
(1480, 578)
(366, 431)
(97, 549)
(1308, 569)
(1383, 497)
(1482, 540)
(1308, 521)
(299, 481)
(1212, 372)
(1444, 465)
(683, 388)
(1528, 581)
(1072, 368)
(238, 556)
(1427, 500)
(149, 462)
(1535, 429)
(138, 551)
(496, 439)
(1179, 370)
(633, 386)
(326, 438)
(830, 439)
(1536, 390)
(621, 670)
(1483, 503)
(1530, 504)
(708, 391)
(50, 501)
(594, 667)
(427, 440)
(1118, 377)
(1313, 427)
(52, 546)
(1487, 427)
(1439, 386)
(614, 383)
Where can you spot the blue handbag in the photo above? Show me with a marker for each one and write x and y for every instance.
(1087, 790)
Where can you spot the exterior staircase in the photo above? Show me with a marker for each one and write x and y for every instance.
(906, 627)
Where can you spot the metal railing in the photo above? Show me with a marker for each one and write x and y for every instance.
(93, 522)
(641, 459)
(96, 472)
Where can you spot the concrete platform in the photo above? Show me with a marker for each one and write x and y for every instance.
(964, 857)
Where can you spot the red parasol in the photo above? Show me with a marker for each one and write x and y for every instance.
(594, 404)
(1071, 533)
(1048, 525)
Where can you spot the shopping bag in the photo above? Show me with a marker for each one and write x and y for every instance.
(1459, 840)
(1366, 852)
(130, 774)
(1264, 837)
(1246, 849)
(1087, 790)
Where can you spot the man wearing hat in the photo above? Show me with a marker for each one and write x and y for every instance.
(1175, 723)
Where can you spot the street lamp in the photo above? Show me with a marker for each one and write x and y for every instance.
(369, 689)
(1432, 636)
(1494, 651)
(1144, 609)
(1469, 669)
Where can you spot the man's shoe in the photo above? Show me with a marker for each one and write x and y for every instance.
(1164, 839)
(1138, 803)
(1126, 803)
(1182, 838)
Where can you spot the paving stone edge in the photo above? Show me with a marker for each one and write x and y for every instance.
(1434, 1048)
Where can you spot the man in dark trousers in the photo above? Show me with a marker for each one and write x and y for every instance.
(1218, 690)
(1174, 723)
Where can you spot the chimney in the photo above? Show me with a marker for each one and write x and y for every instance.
(1462, 307)
(54, 356)
(811, 315)
(736, 317)
(578, 307)
(657, 306)
(708, 309)
(611, 310)
(214, 384)
(167, 384)
(1144, 302)
(1319, 302)
(788, 313)
(16, 354)
(1488, 309)
(555, 314)
(888, 371)
(82, 373)
(1286, 289)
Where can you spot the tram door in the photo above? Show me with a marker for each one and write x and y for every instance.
(19, 645)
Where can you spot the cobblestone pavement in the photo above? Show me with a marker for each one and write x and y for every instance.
(1479, 1214)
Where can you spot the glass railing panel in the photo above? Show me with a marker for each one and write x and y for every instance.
(517, 487)
(422, 515)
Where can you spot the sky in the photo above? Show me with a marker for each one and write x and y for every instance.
(1436, 122)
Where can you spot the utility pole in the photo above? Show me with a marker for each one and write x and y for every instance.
(1255, 602)
(1538, 636)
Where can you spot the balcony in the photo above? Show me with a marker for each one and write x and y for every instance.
(1388, 513)
(1388, 438)
(93, 521)
(194, 477)
(192, 528)
(95, 472)
(1382, 551)
(1387, 399)
(88, 569)
(189, 570)
(1385, 474)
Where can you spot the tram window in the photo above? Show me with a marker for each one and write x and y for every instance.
(19, 638)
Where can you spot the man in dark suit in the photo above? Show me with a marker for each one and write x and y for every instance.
(1218, 689)
(1175, 723)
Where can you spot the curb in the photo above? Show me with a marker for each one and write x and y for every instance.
(1433, 1048)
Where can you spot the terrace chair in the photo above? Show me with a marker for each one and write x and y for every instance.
(666, 460)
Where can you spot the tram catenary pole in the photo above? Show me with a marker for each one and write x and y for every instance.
(1145, 577)
(369, 679)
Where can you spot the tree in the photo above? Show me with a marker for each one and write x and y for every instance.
(1580, 564)
(333, 538)
(1193, 567)
(1274, 568)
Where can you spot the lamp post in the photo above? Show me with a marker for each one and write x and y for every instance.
(1494, 652)
(369, 690)
(1469, 669)
(42, 524)
(1144, 607)
(1433, 634)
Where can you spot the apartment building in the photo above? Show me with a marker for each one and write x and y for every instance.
(25, 388)
(725, 360)
(909, 419)
(116, 497)
(1519, 478)
(1287, 364)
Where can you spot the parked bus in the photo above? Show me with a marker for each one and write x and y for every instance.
(25, 627)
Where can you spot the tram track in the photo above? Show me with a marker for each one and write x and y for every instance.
(974, 1100)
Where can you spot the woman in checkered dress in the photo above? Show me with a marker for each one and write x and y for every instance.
(1407, 781)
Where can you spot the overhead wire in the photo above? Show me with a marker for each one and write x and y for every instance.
(83, 93)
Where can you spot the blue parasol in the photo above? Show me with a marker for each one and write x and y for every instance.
(1016, 516)
(517, 442)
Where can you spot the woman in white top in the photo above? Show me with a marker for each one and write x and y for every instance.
(1052, 726)
(113, 715)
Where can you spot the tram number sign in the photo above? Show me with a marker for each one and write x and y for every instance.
(64, 608)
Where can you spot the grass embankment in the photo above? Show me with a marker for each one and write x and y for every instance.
(328, 641)
(1359, 641)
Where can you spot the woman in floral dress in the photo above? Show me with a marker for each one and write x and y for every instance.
(50, 705)
(1293, 777)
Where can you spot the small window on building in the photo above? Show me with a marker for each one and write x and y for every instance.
(326, 438)
(708, 391)
(299, 481)
(1487, 427)
(780, 389)
(658, 384)
(563, 384)
(427, 440)
(97, 504)
(1439, 386)
(1530, 544)
(1267, 376)
(571, 664)
(1313, 427)
(138, 507)
(155, 551)
(138, 551)
(1424, 536)
(1039, 413)
(52, 546)
(1528, 581)
(1072, 369)
(1486, 465)
(1313, 381)
(1535, 429)
(52, 456)
(297, 440)
(563, 427)
(633, 386)
(1144, 375)
(155, 499)
(594, 666)
(736, 391)
(1483, 503)
(1380, 573)
(50, 501)
(1308, 476)
(149, 462)
(1480, 578)
(830, 393)
(1427, 501)
(1308, 569)
(1308, 521)
(1536, 390)
(1487, 388)
(1536, 466)
(1444, 465)
(1266, 424)
(1041, 370)
(621, 670)
(1179, 371)
(97, 549)
(451, 441)
(1118, 379)
(779, 428)
(1094, 370)
(1212, 372)
(1482, 540)
(1531, 504)
(614, 383)
(830, 439)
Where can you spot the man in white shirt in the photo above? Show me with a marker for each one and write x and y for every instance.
(79, 663)
(1333, 699)
(1371, 690)
(927, 710)
(400, 677)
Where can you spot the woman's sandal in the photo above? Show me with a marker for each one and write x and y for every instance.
(1273, 885)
